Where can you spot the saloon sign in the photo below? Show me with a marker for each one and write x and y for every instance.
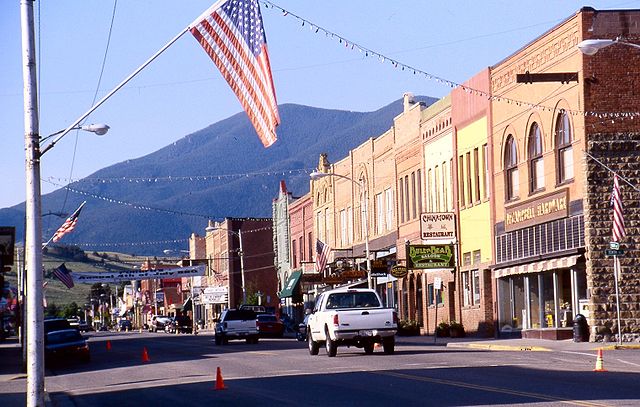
(430, 256)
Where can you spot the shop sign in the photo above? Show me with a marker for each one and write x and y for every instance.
(379, 268)
(430, 256)
(438, 225)
(214, 295)
(399, 271)
(545, 209)
(159, 296)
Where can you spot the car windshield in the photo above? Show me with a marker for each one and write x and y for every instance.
(63, 336)
(352, 300)
(267, 318)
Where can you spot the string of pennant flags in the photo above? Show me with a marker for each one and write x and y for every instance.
(370, 53)
(175, 178)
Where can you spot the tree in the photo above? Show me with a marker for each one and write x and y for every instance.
(52, 310)
(70, 310)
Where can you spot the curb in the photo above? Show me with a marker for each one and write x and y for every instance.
(620, 347)
(498, 347)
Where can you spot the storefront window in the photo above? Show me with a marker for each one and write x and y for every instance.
(505, 313)
(534, 301)
(565, 319)
(548, 300)
(518, 302)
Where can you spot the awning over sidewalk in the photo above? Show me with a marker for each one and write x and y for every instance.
(292, 283)
(537, 266)
(187, 305)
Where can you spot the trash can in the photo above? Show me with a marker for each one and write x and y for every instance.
(580, 329)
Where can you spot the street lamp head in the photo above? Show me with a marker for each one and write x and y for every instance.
(590, 47)
(98, 128)
(315, 175)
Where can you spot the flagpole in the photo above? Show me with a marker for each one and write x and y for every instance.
(616, 277)
(54, 234)
(117, 88)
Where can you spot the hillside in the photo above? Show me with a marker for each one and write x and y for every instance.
(217, 172)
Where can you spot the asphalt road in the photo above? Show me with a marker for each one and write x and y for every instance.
(181, 371)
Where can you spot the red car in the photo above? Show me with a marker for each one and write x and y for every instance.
(269, 325)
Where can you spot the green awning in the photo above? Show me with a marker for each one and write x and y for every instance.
(292, 283)
(187, 305)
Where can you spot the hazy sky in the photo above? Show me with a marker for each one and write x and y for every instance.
(182, 91)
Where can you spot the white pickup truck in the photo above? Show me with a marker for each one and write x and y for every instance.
(351, 317)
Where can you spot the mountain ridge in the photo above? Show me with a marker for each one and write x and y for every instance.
(219, 171)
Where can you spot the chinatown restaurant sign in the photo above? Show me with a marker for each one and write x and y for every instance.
(118, 276)
(430, 256)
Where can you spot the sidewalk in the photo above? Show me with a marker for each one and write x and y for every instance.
(13, 381)
(513, 344)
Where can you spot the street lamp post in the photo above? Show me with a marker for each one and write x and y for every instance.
(240, 253)
(33, 209)
(365, 211)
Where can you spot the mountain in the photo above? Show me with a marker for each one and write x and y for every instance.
(220, 171)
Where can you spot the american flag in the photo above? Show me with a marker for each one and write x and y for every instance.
(618, 218)
(232, 34)
(322, 254)
(63, 274)
(68, 224)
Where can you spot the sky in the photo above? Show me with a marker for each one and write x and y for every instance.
(182, 91)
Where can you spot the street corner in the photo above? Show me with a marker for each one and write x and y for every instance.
(620, 346)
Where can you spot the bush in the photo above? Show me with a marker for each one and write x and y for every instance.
(408, 327)
(456, 330)
(442, 329)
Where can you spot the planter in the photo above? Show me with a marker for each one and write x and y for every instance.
(456, 332)
(412, 331)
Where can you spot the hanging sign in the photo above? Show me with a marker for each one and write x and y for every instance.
(430, 256)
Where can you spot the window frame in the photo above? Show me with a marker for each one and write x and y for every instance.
(563, 137)
(511, 181)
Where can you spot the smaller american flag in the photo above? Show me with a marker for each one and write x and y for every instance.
(618, 218)
(322, 255)
(63, 274)
(68, 224)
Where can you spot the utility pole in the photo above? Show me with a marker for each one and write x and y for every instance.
(33, 211)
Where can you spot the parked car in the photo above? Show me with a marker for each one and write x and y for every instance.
(236, 324)
(301, 332)
(57, 324)
(124, 325)
(180, 324)
(269, 325)
(158, 323)
(66, 345)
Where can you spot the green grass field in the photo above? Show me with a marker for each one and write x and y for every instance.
(57, 293)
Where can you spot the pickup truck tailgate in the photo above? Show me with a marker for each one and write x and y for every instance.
(368, 318)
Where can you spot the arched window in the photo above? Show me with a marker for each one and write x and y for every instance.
(536, 162)
(564, 150)
(511, 183)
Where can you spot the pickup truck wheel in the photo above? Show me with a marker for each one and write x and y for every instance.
(388, 345)
(331, 346)
(314, 348)
(368, 348)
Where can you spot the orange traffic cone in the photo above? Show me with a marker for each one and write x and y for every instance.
(219, 381)
(108, 345)
(599, 363)
(145, 355)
